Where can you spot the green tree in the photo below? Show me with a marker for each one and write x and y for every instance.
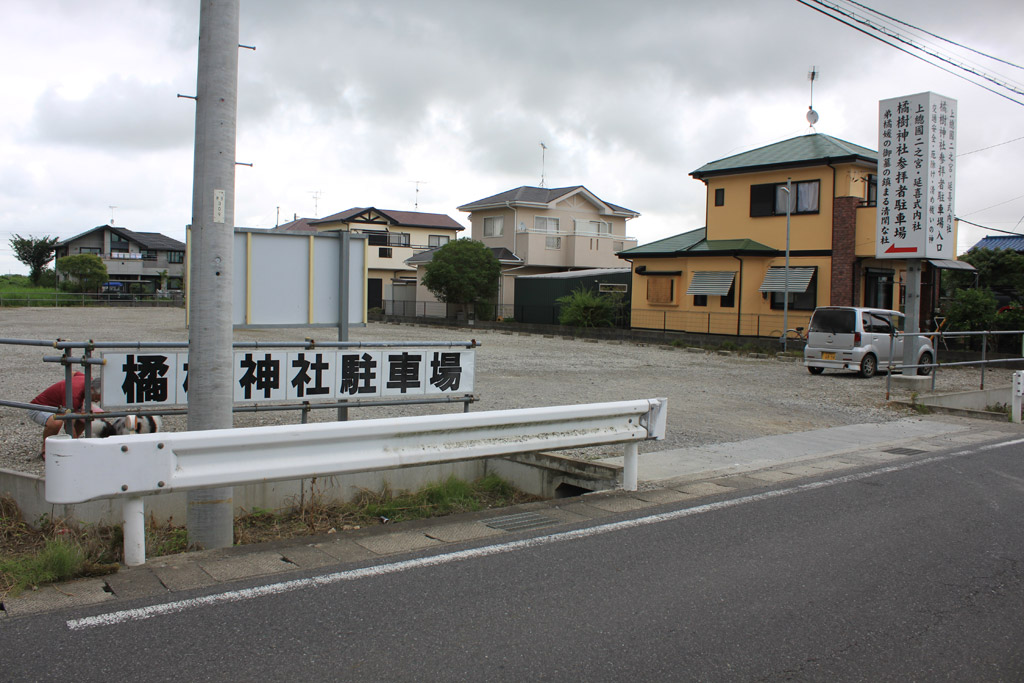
(87, 270)
(587, 308)
(1000, 270)
(463, 272)
(970, 310)
(34, 252)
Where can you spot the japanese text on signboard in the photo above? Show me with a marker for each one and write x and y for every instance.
(154, 379)
(916, 174)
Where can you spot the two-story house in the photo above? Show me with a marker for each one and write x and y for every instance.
(550, 230)
(729, 276)
(146, 260)
(394, 237)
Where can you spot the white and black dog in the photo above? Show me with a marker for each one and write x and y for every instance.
(129, 424)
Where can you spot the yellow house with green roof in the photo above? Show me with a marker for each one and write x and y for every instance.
(729, 278)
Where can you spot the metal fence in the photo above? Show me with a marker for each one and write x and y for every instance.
(69, 299)
(983, 342)
(88, 361)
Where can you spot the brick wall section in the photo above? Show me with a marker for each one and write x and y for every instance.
(844, 259)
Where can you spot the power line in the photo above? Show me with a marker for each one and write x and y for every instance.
(908, 41)
(994, 206)
(985, 227)
(808, 3)
(998, 144)
(933, 35)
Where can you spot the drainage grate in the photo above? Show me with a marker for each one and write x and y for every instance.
(521, 522)
(904, 451)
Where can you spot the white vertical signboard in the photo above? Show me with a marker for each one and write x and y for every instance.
(916, 176)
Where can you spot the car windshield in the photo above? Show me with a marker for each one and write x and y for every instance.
(833, 321)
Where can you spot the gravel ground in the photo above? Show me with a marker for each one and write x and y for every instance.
(712, 398)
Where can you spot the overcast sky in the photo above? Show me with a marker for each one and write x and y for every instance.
(348, 103)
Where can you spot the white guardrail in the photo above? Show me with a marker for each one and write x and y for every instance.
(130, 467)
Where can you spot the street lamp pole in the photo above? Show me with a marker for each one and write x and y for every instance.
(785, 287)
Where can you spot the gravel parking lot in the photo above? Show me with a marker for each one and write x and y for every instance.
(712, 398)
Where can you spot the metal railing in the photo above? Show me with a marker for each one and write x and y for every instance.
(80, 470)
(88, 361)
(942, 338)
(68, 299)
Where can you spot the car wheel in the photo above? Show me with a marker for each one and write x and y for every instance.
(869, 366)
(926, 359)
(815, 371)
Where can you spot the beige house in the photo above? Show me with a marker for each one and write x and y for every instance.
(394, 237)
(550, 230)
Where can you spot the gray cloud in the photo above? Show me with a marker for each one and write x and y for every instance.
(119, 115)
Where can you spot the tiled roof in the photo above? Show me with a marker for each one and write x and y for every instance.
(504, 256)
(536, 195)
(148, 240)
(297, 225)
(695, 242)
(398, 219)
(573, 274)
(805, 150)
(1001, 242)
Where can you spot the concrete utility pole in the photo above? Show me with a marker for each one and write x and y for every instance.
(210, 376)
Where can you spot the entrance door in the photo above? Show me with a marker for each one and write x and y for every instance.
(878, 288)
(374, 293)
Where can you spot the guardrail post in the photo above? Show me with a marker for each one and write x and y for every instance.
(984, 348)
(1018, 392)
(134, 513)
(631, 466)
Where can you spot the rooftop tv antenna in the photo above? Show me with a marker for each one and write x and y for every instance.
(543, 149)
(812, 116)
(418, 183)
(316, 202)
(111, 213)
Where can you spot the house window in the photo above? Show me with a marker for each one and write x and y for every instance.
(872, 199)
(149, 255)
(494, 226)
(437, 240)
(377, 239)
(798, 301)
(90, 250)
(729, 300)
(610, 287)
(117, 244)
(660, 290)
(550, 225)
(601, 227)
(700, 299)
(771, 199)
(384, 252)
(720, 196)
(175, 257)
(398, 239)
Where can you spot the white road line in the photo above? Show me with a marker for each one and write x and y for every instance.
(119, 617)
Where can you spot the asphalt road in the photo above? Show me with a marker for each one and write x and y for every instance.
(904, 572)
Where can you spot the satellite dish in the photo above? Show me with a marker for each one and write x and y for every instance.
(812, 116)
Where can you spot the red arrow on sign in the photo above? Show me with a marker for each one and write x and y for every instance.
(893, 249)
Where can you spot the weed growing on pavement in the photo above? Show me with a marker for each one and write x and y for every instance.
(999, 408)
(314, 515)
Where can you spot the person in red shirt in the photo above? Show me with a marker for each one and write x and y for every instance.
(55, 396)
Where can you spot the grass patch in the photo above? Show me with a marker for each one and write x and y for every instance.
(314, 516)
(1000, 408)
(54, 550)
